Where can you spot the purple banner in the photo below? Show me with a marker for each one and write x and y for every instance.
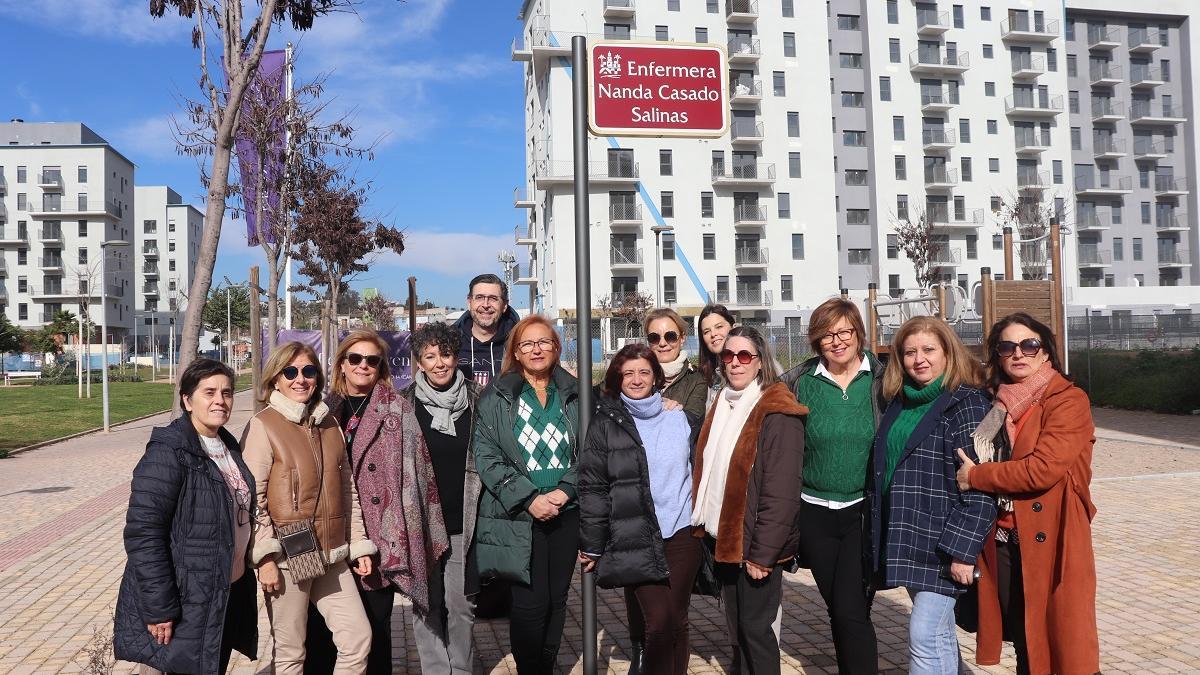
(267, 92)
(399, 352)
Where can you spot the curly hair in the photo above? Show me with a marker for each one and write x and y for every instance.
(446, 337)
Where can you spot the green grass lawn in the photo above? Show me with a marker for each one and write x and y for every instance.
(33, 414)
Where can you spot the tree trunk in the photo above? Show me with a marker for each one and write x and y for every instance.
(273, 278)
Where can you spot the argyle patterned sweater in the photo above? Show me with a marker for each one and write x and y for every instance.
(541, 433)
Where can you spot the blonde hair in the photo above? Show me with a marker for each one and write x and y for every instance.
(961, 367)
(665, 313)
(356, 336)
(279, 359)
(511, 364)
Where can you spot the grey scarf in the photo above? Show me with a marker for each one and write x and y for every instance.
(444, 406)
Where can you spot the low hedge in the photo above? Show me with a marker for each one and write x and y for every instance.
(1160, 381)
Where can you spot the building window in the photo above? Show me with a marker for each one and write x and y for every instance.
(83, 256)
(22, 256)
(902, 207)
(1118, 248)
(858, 216)
(784, 200)
(794, 165)
(711, 5)
(1163, 37)
(997, 242)
(894, 289)
(1072, 69)
(856, 176)
(22, 312)
(661, 34)
(992, 128)
(1145, 213)
(964, 131)
(788, 9)
(965, 164)
(170, 247)
(785, 288)
(957, 13)
(710, 247)
(170, 226)
(170, 265)
(797, 246)
(778, 82)
(1073, 102)
(898, 127)
(1069, 30)
(22, 201)
(669, 295)
(848, 22)
(1052, 60)
(893, 12)
(859, 256)
(668, 245)
(852, 99)
(672, 5)
(994, 164)
(664, 162)
(901, 168)
(985, 13)
(82, 175)
(854, 138)
(616, 31)
(894, 49)
(793, 124)
(667, 204)
(987, 51)
(1076, 143)
(1137, 248)
(1164, 67)
(972, 247)
(706, 205)
(885, 88)
(1116, 213)
(850, 60)
(1057, 171)
(83, 228)
(22, 175)
(701, 35)
(789, 44)
(989, 88)
(893, 247)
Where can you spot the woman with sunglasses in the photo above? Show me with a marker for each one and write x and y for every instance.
(926, 533)
(528, 527)
(297, 453)
(186, 600)
(665, 332)
(635, 505)
(714, 324)
(1037, 587)
(746, 494)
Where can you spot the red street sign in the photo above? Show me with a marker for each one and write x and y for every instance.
(657, 89)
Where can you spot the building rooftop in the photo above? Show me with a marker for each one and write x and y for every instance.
(19, 132)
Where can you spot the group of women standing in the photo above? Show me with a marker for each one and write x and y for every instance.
(713, 479)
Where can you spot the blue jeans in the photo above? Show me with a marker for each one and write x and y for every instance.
(932, 640)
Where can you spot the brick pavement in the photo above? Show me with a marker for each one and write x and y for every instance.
(61, 559)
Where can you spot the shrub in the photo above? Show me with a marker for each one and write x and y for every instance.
(1161, 381)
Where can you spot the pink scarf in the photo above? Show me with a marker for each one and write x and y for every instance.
(1017, 398)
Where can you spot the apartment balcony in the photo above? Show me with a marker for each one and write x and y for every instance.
(76, 209)
(1023, 31)
(53, 292)
(746, 175)
(1146, 77)
(1144, 40)
(1107, 112)
(752, 298)
(619, 9)
(522, 236)
(1173, 222)
(749, 215)
(1032, 143)
(625, 257)
(549, 172)
(150, 251)
(1174, 257)
(750, 257)
(941, 179)
(1103, 40)
(11, 236)
(741, 11)
(541, 44)
(150, 290)
(1144, 114)
(522, 200)
(526, 279)
(1033, 181)
(1112, 148)
(1028, 69)
(943, 256)
(1092, 256)
(742, 50)
(3, 210)
(1031, 106)
(747, 134)
(938, 64)
(939, 102)
(1170, 186)
(933, 140)
(1106, 76)
(625, 215)
(50, 181)
(1112, 186)
(150, 269)
(932, 24)
(51, 264)
(943, 218)
(1096, 222)
(745, 91)
(1148, 151)
(50, 234)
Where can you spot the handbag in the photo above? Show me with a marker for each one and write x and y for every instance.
(706, 577)
(301, 550)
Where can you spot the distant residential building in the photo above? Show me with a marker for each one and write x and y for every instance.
(167, 244)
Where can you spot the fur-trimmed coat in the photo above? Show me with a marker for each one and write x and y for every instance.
(762, 489)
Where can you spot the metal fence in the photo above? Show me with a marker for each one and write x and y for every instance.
(1132, 332)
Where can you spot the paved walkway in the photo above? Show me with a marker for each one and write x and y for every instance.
(61, 559)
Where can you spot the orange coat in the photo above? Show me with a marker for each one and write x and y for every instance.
(1048, 479)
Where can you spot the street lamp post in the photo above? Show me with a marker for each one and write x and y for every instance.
(658, 231)
(114, 243)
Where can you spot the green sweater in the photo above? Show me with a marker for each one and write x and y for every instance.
(837, 436)
(542, 434)
(915, 402)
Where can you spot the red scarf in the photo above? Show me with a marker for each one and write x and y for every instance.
(1018, 397)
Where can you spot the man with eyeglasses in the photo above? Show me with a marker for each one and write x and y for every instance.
(485, 327)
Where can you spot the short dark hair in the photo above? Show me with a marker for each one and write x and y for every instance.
(827, 315)
(768, 372)
(631, 352)
(489, 279)
(448, 340)
(198, 371)
(995, 374)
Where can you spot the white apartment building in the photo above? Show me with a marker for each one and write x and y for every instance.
(167, 243)
(63, 191)
(948, 111)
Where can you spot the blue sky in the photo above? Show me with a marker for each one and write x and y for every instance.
(432, 77)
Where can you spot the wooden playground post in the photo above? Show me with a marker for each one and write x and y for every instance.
(872, 317)
(845, 293)
(1056, 288)
(412, 319)
(988, 291)
(1008, 253)
(941, 301)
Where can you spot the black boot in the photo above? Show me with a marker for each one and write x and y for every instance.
(636, 651)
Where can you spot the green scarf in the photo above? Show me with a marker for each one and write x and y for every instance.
(915, 402)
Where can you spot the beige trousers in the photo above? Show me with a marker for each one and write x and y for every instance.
(336, 598)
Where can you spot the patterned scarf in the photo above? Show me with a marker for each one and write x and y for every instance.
(1012, 402)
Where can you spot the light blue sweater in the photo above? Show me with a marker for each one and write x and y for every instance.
(665, 435)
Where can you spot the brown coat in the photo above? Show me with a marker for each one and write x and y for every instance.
(762, 490)
(1047, 478)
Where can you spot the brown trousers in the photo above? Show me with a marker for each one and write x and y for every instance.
(663, 606)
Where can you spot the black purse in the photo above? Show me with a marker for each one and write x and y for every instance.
(706, 577)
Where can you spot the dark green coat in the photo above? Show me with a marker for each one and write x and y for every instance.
(504, 529)
(690, 391)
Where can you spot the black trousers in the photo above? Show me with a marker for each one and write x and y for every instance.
(539, 609)
(831, 544)
(1011, 586)
(750, 610)
(320, 653)
(662, 606)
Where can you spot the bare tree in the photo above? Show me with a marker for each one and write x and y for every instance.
(237, 44)
(1029, 216)
(920, 246)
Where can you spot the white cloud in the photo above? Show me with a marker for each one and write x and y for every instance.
(147, 138)
(117, 20)
(451, 253)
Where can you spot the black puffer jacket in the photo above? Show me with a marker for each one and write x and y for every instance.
(616, 509)
(179, 540)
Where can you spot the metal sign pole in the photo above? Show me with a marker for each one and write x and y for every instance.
(583, 305)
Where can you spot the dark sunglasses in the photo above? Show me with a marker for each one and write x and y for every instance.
(1029, 347)
(744, 357)
(670, 336)
(373, 360)
(310, 371)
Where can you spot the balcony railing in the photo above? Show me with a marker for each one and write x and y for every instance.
(150, 289)
(618, 8)
(107, 208)
(625, 212)
(1102, 184)
(1147, 149)
(1107, 110)
(13, 234)
(941, 100)
(932, 23)
(941, 177)
(149, 249)
(749, 213)
(747, 131)
(598, 169)
(50, 262)
(941, 61)
(1022, 29)
(1145, 76)
(624, 256)
(521, 198)
(1176, 221)
(750, 255)
(50, 180)
(1109, 147)
(744, 49)
(744, 172)
(1032, 105)
(1171, 257)
(938, 138)
(1100, 75)
(753, 297)
(1144, 39)
(941, 215)
(1092, 222)
(745, 90)
(720, 297)
(741, 10)
(1102, 38)
(50, 234)
(1144, 112)
(1032, 141)
(1093, 255)
(1170, 185)
(1039, 180)
(943, 255)
(149, 268)
(1028, 67)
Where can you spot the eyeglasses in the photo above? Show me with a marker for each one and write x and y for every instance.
(372, 360)
(1029, 347)
(843, 335)
(670, 336)
(744, 357)
(526, 346)
(489, 299)
(310, 371)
